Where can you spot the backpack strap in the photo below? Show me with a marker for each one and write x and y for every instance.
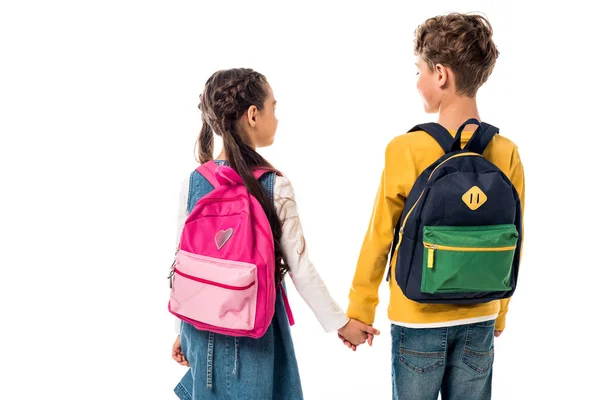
(471, 121)
(439, 133)
(209, 170)
(258, 173)
(482, 139)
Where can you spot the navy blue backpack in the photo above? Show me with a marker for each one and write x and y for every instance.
(459, 236)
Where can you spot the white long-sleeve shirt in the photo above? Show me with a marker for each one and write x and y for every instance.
(304, 275)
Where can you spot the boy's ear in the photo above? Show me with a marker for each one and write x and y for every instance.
(442, 75)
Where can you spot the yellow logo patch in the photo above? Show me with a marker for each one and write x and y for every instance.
(474, 198)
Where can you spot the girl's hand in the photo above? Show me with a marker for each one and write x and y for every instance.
(355, 333)
(497, 333)
(177, 354)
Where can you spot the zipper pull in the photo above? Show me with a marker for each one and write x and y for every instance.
(171, 273)
(430, 255)
(400, 234)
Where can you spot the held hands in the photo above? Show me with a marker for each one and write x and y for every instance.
(355, 333)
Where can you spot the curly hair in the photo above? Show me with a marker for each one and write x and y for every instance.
(227, 96)
(461, 42)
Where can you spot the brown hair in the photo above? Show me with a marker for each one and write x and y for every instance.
(227, 96)
(461, 42)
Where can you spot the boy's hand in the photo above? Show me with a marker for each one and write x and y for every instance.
(177, 354)
(498, 333)
(355, 333)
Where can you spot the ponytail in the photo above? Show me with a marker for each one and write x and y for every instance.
(205, 143)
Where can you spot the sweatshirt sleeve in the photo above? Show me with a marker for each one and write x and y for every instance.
(398, 175)
(517, 177)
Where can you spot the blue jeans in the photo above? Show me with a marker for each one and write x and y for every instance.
(456, 361)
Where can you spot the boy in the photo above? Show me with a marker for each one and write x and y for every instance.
(436, 347)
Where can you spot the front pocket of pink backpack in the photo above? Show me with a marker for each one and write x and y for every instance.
(217, 292)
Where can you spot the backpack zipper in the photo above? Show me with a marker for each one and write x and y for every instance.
(219, 199)
(432, 247)
(213, 283)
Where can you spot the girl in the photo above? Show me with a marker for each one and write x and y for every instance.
(239, 106)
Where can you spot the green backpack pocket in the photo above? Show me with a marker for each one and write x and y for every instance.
(468, 258)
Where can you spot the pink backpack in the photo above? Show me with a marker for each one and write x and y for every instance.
(223, 277)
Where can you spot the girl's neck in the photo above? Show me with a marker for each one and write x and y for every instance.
(222, 156)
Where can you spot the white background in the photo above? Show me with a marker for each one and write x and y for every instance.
(98, 120)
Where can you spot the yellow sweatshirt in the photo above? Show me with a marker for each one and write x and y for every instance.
(406, 157)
